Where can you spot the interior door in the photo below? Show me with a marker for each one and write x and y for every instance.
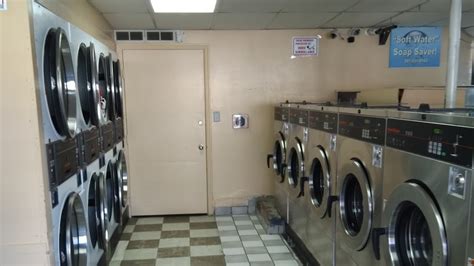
(165, 99)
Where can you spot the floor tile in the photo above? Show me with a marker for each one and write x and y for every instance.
(281, 256)
(261, 263)
(286, 263)
(255, 250)
(248, 232)
(205, 241)
(141, 244)
(208, 261)
(257, 243)
(150, 220)
(258, 257)
(224, 223)
(125, 236)
(227, 228)
(176, 219)
(224, 218)
(237, 264)
(115, 263)
(241, 218)
(250, 238)
(229, 238)
(147, 227)
(180, 261)
(278, 242)
(173, 252)
(233, 251)
(245, 222)
(232, 244)
(129, 229)
(140, 254)
(245, 227)
(145, 235)
(175, 234)
(259, 227)
(277, 249)
(204, 233)
(149, 262)
(229, 233)
(253, 218)
(175, 226)
(270, 237)
(261, 231)
(120, 251)
(206, 250)
(235, 258)
(202, 219)
(204, 225)
(174, 242)
(132, 221)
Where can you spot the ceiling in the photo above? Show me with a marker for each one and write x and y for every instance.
(286, 14)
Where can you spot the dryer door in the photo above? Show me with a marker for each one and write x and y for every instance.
(96, 214)
(279, 154)
(73, 232)
(319, 180)
(295, 162)
(122, 174)
(416, 232)
(355, 204)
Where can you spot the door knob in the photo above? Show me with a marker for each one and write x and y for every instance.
(201, 147)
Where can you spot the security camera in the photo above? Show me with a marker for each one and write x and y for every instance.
(353, 32)
(370, 32)
(333, 34)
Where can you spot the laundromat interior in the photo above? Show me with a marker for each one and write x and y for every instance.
(237, 132)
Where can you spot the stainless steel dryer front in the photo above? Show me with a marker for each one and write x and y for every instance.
(297, 170)
(427, 189)
(359, 183)
(277, 160)
(322, 164)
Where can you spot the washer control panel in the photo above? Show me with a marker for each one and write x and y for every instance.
(452, 144)
(281, 114)
(324, 121)
(365, 128)
(299, 117)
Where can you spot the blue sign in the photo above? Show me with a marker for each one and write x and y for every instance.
(415, 47)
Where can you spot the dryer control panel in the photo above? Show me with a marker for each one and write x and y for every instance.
(324, 121)
(299, 117)
(281, 114)
(452, 144)
(364, 128)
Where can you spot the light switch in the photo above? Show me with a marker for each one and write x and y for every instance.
(216, 116)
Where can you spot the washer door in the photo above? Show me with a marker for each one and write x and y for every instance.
(122, 174)
(60, 82)
(117, 194)
(279, 154)
(296, 162)
(109, 190)
(355, 204)
(96, 213)
(73, 232)
(416, 232)
(320, 180)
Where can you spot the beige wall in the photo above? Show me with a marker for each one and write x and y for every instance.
(23, 212)
(251, 70)
(82, 14)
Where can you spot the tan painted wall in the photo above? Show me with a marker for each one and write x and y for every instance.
(82, 14)
(251, 70)
(23, 212)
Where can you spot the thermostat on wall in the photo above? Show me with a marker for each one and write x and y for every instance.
(240, 121)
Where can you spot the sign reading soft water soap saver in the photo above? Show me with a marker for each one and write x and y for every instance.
(415, 47)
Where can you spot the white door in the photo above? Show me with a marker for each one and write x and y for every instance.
(165, 98)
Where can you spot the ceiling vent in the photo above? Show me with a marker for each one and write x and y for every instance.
(148, 35)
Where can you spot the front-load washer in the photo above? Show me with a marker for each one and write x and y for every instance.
(427, 189)
(121, 187)
(322, 165)
(297, 170)
(69, 225)
(277, 159)
(360, 141)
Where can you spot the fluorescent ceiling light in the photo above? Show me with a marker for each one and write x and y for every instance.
(183, 6)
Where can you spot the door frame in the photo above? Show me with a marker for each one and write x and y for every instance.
(121, 47)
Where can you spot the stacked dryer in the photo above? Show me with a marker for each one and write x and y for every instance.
(77, 104)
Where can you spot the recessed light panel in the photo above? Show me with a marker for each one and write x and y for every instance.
(183, 6)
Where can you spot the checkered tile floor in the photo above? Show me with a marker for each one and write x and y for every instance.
(200, 240)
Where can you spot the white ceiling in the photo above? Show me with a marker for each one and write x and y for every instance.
(286, 14)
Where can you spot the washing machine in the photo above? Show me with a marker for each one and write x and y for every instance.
(277, 159)
(121, 187)
(297, 170)
(360, 144)
(321, 163)
(427, 189)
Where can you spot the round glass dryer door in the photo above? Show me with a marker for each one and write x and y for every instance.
(296, 162)
(117, 89)
(355, 204)
(319, 179)
(122, 174)
(104, 91)
(73, 232)
(59, 82)
(416, 232)
(111, 87)
(109, 191)
(96, 211)
(87, 84)
(279, 154)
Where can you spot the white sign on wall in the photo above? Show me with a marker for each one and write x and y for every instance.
(3, 5)
(306, 46)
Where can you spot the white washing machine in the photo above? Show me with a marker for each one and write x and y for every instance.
(322, 167)
(360, 145)
(297, 170)
(427, 189)
(277, 159)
